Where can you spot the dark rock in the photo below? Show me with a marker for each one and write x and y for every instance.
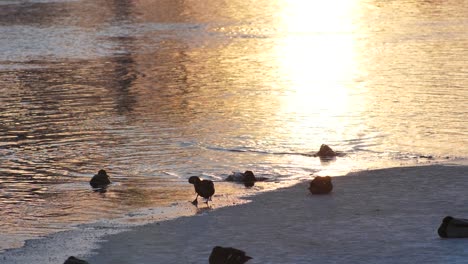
(203, 188)
(100, 180)
(321, 185)
(73, 260)
(453, 228)
(228, 255)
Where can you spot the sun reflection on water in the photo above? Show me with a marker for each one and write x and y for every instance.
(303, 16)
(166, 89)
(316, 60)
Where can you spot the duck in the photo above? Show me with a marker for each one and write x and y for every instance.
(452, 227)
(100, 180)
(227, 255)
(248, 178)
(203, 188)
(326, 152)
(74, 260)
(321, 185)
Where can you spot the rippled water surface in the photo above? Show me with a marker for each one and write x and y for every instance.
(157, 91)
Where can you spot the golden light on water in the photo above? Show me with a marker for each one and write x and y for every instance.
(157, 91)
(317, 69)
(303, 16)
(316, 59)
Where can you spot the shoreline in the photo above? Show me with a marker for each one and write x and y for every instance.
(385, 216)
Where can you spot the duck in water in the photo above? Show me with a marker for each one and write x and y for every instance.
(100, 180)
(203, 188)
(248, 178)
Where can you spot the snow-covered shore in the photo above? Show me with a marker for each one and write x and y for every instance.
(376, 216)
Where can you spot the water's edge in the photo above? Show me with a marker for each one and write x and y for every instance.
(83, 239)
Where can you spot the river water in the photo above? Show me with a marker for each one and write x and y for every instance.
(155, 91)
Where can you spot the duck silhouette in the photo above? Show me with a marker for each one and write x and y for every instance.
(203, 188)
(73, 260)
(321, 185)
(247, 177)
(100, 180)
(453, 228)
(326, 152)
(227, 255)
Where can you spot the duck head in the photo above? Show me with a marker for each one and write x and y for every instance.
(194, 180)
(102, 174)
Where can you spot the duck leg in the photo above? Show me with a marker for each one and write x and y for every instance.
(195, 202)
(207, 200)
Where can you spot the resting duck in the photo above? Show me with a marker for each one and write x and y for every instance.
(248, 178)
(73, 260)
(100, 180)
(204, 188)
(321, 185)
(453, 228)
(227, 255)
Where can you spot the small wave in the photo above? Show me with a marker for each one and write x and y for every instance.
(268, 152)
(247, 150)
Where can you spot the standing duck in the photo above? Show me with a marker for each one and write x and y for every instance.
(204, 188)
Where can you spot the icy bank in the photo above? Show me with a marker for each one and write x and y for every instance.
(379, 216)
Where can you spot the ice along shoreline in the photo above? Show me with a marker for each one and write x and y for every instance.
(382, 216)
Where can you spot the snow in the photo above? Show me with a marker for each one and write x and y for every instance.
(379, 216)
